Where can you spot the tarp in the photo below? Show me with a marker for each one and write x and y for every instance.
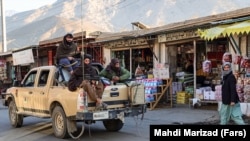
(225, 30)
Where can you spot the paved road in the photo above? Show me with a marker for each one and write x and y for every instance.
(36, 129)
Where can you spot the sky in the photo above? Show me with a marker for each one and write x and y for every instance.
(25, 5)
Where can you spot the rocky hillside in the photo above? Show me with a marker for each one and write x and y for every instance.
(51, 21)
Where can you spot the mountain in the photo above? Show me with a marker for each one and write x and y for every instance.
(52, 21)
(9, 13)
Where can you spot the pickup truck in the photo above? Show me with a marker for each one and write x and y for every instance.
(42, 94)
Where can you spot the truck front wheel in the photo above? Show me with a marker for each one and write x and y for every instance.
(16, 120)
(113, 125)
(59, 123)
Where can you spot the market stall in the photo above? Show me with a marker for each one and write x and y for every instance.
(157, 85)
(241, 71)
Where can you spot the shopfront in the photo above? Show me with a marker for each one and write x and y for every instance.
(5, 70)
(24, 59)
(133, 53)
(183, 47)
(239, 45)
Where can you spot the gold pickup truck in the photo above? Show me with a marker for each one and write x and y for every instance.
(42, 94)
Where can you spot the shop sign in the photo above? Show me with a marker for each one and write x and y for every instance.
(23, 57)
(126, 43)
(177, 36)
(161, 71)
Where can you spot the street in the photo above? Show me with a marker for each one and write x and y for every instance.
(136, 128)
(36, 129)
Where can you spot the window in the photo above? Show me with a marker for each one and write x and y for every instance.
(43, 78)
(30, 80)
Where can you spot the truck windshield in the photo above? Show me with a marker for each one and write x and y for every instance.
(30, 79)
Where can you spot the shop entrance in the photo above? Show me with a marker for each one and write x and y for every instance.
(132, 58)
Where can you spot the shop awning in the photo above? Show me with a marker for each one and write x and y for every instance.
(225, 30)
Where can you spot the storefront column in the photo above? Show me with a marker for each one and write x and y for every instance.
(107, 57)
(130, 63)
(163, 52)
(157, 52)
(194, 64)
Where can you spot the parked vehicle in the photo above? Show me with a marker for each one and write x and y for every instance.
(3, 89)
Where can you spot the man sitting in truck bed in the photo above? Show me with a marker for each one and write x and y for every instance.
(115, 72)
(92, 87)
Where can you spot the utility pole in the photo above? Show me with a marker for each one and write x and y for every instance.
(4, 46)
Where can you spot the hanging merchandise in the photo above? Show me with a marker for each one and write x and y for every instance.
(227, 57)
(247, 72)
(206, 66)
(138, 71)
(237, 59)
(245, 62)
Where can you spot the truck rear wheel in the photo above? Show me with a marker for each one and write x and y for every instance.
(59, 123)
(113, 124)
(16, 120)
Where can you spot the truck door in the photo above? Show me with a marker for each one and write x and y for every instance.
(24, 94)
(40, 95)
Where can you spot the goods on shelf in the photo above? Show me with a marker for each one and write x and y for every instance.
(245, 62)
(150, 87)
(154, 90)
(206, 93)
(3, 70)
(218, 92)
(182, 97)
(237, 59)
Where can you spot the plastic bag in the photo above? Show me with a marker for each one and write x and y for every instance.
(245, 62)
(237, 59)
(206, 66)
(227, 57)
(138, 71)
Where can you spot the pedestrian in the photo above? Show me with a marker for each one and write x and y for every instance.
(189, 68)
(230, 107)
(93, 87)
(115, 72)
(65, 53)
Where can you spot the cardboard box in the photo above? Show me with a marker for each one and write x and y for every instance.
(209, 95)
(199, 94)
(182, 94)
(179, 86)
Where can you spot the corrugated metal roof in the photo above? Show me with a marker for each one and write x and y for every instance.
(188, 24)
(24, 48)
(5, 53)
